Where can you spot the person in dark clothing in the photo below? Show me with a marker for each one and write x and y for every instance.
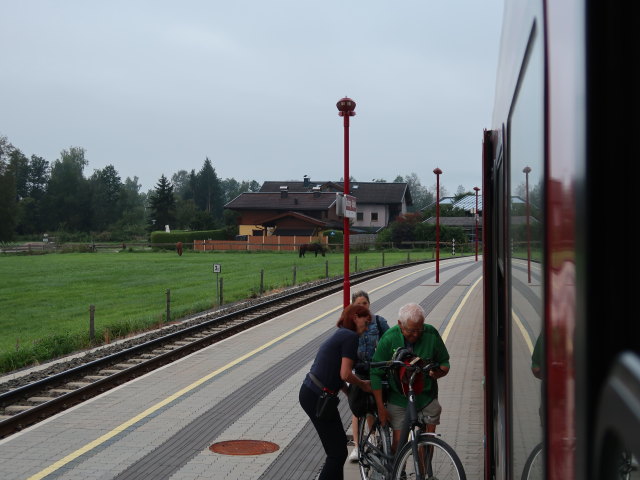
(333, 367)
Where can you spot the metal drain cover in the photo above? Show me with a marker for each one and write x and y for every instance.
(244, 447)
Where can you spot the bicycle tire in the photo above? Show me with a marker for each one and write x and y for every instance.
(445, 463)
(533, 468)
(371, 465)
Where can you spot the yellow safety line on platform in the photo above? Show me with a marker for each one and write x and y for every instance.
(122, 427)
(454, 317)
(524, 332)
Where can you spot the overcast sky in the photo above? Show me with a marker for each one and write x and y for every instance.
(153, 87)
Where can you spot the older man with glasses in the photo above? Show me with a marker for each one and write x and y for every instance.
(424, 341)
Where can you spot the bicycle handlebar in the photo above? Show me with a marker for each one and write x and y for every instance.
(389, 364)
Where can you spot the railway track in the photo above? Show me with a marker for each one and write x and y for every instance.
(33, 402)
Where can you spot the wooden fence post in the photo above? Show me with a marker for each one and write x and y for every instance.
(261, 281)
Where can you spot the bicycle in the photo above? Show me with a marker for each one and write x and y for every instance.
(424, 456)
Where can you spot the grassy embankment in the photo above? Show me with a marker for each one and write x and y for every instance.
(45, 299)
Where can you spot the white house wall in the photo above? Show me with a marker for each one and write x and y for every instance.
(367, 210)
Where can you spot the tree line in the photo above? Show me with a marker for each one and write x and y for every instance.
(37, 196)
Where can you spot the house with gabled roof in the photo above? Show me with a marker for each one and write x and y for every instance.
(285, 213)
(304, 207)
(378, 203)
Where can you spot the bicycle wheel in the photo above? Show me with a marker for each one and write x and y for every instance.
(374, 442)
(533, 467)
(438, 461)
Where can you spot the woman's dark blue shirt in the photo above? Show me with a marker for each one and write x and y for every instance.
(326, 366)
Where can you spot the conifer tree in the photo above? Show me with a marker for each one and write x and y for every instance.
(163, 205)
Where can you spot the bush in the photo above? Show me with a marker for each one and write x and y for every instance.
(334, 236)
(410, 228)
(76, 248)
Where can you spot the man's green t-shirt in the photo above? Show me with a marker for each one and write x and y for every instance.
(429, 346)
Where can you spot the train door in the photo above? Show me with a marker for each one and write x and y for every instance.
(526, 230)
(514, 188)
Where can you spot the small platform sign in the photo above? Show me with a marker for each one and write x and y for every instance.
(216, 268)
(345, 205)
(350, 206)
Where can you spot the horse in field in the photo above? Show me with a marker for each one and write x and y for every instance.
(311, 247)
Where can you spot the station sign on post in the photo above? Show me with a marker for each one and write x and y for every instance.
(216, 270)
(350, 206)
(346, 205)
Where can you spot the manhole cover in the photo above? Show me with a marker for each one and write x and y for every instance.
(243, 447)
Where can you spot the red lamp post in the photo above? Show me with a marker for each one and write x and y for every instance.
(526, 171)
(346, 107)
(476, 215)
(438, 172)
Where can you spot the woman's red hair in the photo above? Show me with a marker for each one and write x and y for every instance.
(346, 319)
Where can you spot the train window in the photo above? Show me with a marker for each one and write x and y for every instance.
(526, 162)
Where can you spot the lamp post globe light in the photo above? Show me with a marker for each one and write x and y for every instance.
(526, 171)
(476, 216)
(346, 109)
(438, 172)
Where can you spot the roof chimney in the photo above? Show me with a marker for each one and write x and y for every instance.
(284, 190)
(307, 181)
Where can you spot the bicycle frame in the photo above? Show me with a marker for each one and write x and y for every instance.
(410, 423)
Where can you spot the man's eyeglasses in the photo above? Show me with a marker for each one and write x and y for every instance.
(412, 331)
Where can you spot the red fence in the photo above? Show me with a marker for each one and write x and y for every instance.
(273, 243)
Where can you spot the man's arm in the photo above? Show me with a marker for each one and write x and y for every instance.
(439, 372)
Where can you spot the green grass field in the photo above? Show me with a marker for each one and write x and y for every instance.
(45, 299)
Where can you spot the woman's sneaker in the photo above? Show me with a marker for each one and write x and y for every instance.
(353, 456)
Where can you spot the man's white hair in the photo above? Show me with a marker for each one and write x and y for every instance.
(411, 313)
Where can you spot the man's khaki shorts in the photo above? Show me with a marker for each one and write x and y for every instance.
(429, 414)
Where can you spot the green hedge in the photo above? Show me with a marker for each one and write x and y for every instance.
(334, 236)
(186, 237)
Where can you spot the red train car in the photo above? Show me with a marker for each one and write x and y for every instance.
(560, 165)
